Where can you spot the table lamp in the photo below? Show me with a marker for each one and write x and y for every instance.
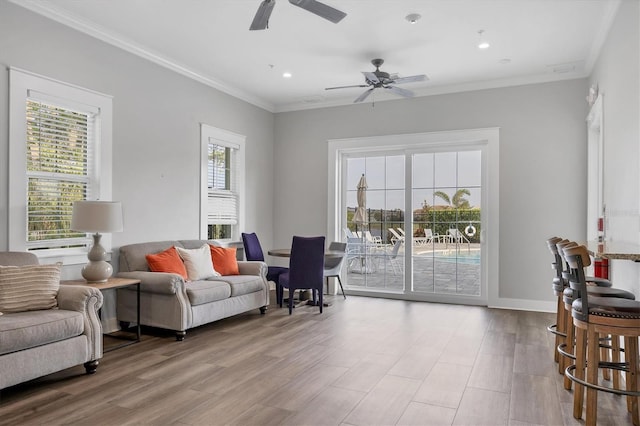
(96, 217)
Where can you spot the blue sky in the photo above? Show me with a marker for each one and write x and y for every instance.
(444, 171)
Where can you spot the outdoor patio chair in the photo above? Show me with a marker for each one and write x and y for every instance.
(430, 236)
(390, 255)
(456, 237)
(333, 265)
(306, 269)
(401, 232)
(396, 236)
(372, 239)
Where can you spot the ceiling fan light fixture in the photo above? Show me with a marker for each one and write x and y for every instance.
(412, 18)
(482, 43)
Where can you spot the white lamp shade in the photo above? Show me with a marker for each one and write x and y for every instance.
(97, 216)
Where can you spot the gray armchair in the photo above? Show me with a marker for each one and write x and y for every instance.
(40, 342)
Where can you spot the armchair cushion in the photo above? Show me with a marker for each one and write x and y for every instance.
(23, 330)
(29, 288)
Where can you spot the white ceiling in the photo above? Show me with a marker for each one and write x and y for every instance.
(210, 41)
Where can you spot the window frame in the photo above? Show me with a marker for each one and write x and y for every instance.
(22, 86)
(230, 140)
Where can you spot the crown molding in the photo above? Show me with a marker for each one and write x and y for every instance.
(442, 90)
(94, 30)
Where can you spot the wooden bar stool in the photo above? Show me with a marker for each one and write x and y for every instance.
(595, 317)
(598, 287)
(563, 329)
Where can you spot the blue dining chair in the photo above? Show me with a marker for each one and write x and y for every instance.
(253, 251)
(306, 269)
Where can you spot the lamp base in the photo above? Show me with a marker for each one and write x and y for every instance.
(97, 270)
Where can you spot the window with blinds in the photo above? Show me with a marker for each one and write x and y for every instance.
(58, 165)
(60, 139)
(222, 211)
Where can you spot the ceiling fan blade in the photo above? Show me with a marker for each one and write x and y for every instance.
(410, 79)
(402, 92)
(371, 77)
(346, 87)
(320, 9)
(261, 20)
(364, 95)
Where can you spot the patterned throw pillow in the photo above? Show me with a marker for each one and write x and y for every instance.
(198, 263)
(29, 288)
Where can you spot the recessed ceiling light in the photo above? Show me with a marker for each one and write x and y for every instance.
(482, 43)
(412, 18)
(286, 74)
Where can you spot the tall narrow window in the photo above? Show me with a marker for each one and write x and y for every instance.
(59, 152)
(58, 172)
(223, 191)
(222, 183)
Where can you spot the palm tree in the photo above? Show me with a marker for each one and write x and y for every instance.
(442, 195)
(457, 201)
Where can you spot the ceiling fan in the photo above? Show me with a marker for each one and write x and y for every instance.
(261, 20)
(380, 79)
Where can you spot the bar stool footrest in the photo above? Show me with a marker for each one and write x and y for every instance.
(569, 373)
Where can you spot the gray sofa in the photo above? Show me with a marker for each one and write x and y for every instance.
(41, 342)
(167, 301)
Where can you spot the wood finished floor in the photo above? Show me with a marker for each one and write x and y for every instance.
(364, 361)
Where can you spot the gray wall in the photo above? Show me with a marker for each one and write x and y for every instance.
(156, 127)
(617, 74)
(542, 149)
(156, 143)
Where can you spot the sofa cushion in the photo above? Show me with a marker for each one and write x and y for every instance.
(242, 284)
(23, 330)
(198, 262)
(206, 291)
(224, 260)
(167, 261)
(29, 288)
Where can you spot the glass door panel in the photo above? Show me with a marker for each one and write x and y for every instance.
(374, 261)
(446, 190)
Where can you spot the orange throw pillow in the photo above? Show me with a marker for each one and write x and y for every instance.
(167, 261)
(224, 260)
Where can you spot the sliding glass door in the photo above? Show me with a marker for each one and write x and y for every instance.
(420, 235)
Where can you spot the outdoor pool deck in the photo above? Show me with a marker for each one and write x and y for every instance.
(435, 270)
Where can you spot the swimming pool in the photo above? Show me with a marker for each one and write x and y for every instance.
(452, 256)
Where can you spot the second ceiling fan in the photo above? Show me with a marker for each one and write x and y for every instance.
(261, 20)
(383, 80)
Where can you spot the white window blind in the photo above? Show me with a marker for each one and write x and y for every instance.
(222, 183)
(58, 163)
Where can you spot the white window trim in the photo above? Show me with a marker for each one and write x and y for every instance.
(337, 148)
(232, 140)
(21, 82)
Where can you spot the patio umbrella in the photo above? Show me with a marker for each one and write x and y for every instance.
(360, 217)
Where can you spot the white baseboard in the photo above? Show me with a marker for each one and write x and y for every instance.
(524, 305)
